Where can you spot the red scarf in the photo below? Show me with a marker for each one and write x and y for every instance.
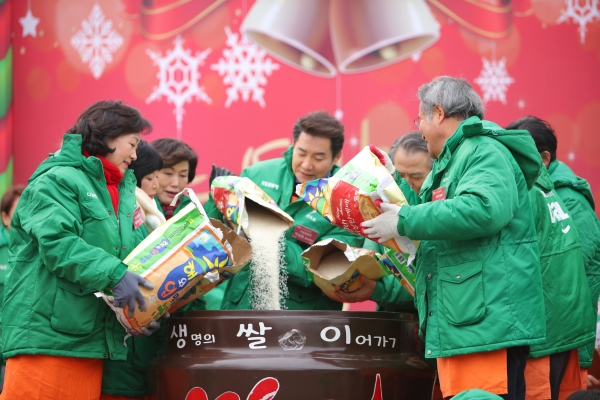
(113, 177)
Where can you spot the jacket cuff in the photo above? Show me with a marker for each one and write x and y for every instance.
(117, 275)
(378, 295)
(403, 214)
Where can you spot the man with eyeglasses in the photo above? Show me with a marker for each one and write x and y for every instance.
(478, 291)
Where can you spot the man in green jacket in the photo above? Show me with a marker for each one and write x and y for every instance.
(576, 194)
(570, 319)
(478, 291)
(318, 141)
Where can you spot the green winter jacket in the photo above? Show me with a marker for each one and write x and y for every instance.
(478, 273)
(4, 236)
(66, 244)
(570, 320)
(277, 179)
(576, 194)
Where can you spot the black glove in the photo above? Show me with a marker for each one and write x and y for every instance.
(218, 171)
(126, 292)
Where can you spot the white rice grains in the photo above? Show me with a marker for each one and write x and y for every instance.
(268, 275)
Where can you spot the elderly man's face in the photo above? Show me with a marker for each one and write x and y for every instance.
(432, 132)
(413, 168)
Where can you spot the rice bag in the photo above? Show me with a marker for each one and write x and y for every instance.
(334, 264)
(248, 209)
(347, 199)
(401, 266)
(242, 253)
(230, 194)
(174, 257)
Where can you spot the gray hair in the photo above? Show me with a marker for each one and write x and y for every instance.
(454, 95)
(411, 143)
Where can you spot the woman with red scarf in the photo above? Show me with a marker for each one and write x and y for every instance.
(70, 232)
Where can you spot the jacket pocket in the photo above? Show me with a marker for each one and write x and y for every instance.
(462, 294)
(75, 308)
(94, 209)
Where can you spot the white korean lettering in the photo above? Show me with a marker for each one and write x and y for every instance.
(336, 334)
(363, 339)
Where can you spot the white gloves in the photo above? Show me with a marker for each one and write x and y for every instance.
(383, 158)
(385, 226)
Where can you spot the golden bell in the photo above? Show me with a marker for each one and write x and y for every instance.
(369, 34)
(295, 32)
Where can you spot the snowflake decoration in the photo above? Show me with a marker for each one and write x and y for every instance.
(96, 41)
(581, 14)
(494, 80)
(178, 77)
(416, 56)
(244, 67)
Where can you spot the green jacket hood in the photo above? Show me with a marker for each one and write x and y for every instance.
(518, 142)
(476, 394)
(563, 176)
(69, 155)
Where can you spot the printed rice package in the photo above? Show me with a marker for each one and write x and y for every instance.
(334, 264)
(248, 209)
(242, 254)
(348, 198)
(174, 258)
(230, 193)
(400, 265)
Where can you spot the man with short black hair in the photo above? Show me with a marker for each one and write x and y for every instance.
(576, 194)
(318, 141)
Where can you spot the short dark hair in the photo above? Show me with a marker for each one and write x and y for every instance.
(148, 160)
(106, 120)
(173, 151)
(321, 124)
(9, 197)
(411, 143)
(542, 133)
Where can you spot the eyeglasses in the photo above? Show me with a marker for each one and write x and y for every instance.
(417, 120)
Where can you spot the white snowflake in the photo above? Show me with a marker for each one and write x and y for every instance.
(244, 67)
(580, 14)
(96, 41)
(494, 80)
(178, 75)
(416, 56)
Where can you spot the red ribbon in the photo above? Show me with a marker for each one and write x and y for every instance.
(488, 18)
(164, 19)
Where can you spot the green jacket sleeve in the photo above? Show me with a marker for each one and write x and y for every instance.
(484, 202)
(54, 220)
(390, 294)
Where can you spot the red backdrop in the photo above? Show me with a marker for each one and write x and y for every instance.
(552, 71)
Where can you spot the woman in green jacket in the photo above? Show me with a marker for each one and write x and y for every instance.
(69, 235)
